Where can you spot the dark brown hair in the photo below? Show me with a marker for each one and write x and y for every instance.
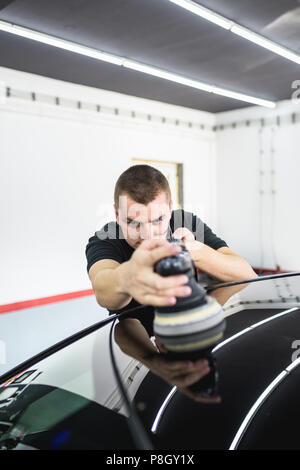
(142, 183)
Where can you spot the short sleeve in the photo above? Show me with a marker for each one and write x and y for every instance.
(98, 249)
(199, 229)
(211, 239)
(145, 315)
(204, 234)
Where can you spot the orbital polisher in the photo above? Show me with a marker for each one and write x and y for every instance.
(194, 325)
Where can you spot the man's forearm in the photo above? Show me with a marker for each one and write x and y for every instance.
(134, 340)
(224, 294)
(224, 267)
(108, 288)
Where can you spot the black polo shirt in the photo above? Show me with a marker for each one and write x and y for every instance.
(109, 243)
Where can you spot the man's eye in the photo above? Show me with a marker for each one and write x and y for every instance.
(134, 224)
(157, 221)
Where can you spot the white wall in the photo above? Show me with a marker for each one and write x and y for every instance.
(59, 165)
(258, 171)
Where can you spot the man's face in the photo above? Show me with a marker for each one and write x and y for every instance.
(143, 222)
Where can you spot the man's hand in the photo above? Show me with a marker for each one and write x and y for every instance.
(181, 374)
(192, 245)
(137, 276)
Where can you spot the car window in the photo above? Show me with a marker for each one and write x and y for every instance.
(72, 399)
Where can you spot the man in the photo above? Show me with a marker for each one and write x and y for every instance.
(121, 259)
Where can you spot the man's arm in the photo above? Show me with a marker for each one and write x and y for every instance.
(223, 264)
(104, 275)
(116, 284)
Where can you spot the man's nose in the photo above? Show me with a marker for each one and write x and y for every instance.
(146, 232)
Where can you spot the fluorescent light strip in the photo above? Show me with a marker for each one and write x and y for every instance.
(228, 340)
(130, 64)
(60, 43)
(253, 410)
(261, 399)
(162, 409)
(280, 314)
(235, 28)
(166, 75)
(239, 96)
(293, 365)
(196, 84)
(204, 13)
(265, 43)
(252, 327)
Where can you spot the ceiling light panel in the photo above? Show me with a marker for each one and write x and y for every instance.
(167, 75)
(235, 28)
(131, 64)
(265, 43)
(60, 43)
(204, 13)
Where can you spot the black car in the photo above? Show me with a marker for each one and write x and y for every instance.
(85, 393)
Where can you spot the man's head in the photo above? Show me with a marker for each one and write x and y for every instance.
(143, 204)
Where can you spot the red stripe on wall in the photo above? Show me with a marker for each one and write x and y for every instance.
(74, 295)
(44, 300)
(266, 271)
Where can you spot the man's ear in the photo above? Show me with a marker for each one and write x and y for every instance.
(171, 205)
(116, 213)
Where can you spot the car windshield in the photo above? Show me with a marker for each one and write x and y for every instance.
(73, 400)
(69, 400)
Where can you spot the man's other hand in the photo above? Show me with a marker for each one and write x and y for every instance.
(193, 246)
